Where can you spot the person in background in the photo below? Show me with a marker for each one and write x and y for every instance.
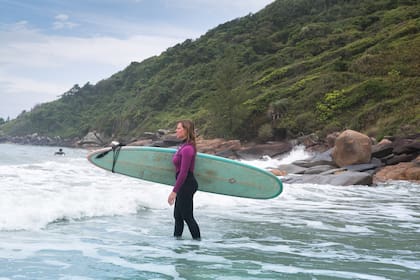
(60, 152)
(186, 185)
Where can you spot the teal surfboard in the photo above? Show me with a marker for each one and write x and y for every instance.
(214, 174)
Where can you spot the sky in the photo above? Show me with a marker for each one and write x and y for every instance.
(48, 46)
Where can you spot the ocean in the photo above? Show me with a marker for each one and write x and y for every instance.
(63, 218)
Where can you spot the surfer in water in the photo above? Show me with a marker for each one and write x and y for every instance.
(186, 185)
(60, 152)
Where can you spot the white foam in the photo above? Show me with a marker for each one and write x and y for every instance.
(34, 195)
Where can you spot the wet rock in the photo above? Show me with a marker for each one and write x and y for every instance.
(319, 159)
(346, 178)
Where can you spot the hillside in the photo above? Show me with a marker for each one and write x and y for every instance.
(295, 67)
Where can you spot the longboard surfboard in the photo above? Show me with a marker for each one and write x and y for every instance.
(214, 174)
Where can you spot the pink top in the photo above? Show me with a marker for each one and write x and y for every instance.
(184, 161)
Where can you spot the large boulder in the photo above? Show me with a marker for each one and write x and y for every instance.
(352, 147)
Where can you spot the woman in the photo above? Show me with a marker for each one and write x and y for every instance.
(186, 185)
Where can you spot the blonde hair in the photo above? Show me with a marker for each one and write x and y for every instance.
(189, 127)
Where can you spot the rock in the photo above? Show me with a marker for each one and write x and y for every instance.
(330, 139)
(416, 162)
(272, 149)
(412, 173)
(278, 172)
(291, 168)
(92, 139)
(346, 178)
(400, 158)
(401, 171)
(218, 145)
(374, 163)
(352, 147)
(227, 154)
(319, 159)
(141, 142)
(406, 146)
(318, 169)
(308, 140)
(170, 141)
(334, 171)
(382, 149)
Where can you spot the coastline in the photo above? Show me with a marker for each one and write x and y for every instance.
(394, 158)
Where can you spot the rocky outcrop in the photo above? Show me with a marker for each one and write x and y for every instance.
(321, 169)
(390, 159)
(39, 140)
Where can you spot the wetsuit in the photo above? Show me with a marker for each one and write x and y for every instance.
(185, 187)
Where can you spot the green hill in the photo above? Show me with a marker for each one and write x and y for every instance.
(295, 67)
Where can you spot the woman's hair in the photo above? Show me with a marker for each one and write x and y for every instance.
(189, 127)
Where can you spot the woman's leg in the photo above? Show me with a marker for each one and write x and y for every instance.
(179, 221)
(184, 208)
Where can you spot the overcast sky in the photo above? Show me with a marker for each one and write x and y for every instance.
(47, 46)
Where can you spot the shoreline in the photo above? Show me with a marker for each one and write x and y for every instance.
(394, 158)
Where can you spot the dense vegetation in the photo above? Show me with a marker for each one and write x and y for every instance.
(295, 67)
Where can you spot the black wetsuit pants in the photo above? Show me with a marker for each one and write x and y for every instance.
(183, 210)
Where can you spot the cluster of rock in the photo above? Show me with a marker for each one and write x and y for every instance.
(355, 160)
(347, 158)
(38, 140)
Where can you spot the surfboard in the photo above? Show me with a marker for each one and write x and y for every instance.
(214, 174)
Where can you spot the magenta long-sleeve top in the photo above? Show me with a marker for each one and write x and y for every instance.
(184, 161)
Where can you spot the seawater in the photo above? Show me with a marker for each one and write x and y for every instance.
(63, 218)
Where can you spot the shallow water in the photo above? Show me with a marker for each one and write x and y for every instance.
(63, 218)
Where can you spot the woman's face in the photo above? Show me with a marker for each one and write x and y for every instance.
(181, 132)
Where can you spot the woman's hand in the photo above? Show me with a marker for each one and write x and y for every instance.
(171, 198)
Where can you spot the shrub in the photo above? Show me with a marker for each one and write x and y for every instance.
(265, 132)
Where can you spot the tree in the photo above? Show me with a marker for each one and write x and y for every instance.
(225, 104)
(277, 109)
